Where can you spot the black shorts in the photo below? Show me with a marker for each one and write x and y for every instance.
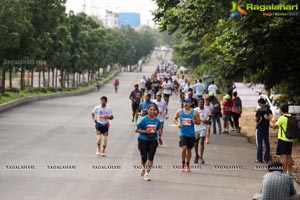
(147, 149)
(167, 95)
(102, 128)
(284, 148)
(135, 107)
(187, 141)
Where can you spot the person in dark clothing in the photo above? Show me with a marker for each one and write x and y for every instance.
(216, 113)
(190, 95)
(230, 89)
(236, 111)
(148, 85)
(262, 131)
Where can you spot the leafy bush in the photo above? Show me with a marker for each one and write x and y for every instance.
(43, 90)
(59, 89)
(13, 89)
(52, 89)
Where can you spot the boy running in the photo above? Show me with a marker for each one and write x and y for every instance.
(201, 129)
(101, 115)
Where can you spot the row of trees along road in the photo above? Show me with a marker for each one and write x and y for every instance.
(39, 35)
(249, 47)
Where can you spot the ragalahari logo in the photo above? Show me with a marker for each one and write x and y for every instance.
(236, 10)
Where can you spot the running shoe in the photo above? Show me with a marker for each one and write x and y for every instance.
(187, 169)
(201, 160)
(103, 154)
(146, 177)
(98, 151)
(160, 142)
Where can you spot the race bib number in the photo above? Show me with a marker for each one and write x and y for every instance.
(203, 118)
(102, 117)
(152, 128)
(187, 121)
(160, 113)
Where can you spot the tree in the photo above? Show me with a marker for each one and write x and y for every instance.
(12, 28)
(262, 48)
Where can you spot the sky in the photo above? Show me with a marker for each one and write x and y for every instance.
(98, 7)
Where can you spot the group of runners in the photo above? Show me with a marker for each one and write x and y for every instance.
(193, 119)
(149, 102)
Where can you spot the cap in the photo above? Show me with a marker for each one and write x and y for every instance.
(189, 100)
(227, 96)
(159, 94)
(211, 94)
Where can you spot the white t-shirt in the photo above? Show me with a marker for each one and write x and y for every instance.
(181, 83)
(209, 107)
(204, 115)
(212, 88)
(100, 113)
(167, 87)
(162, 107)
(143, 84)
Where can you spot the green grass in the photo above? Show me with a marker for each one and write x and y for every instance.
(11, 96)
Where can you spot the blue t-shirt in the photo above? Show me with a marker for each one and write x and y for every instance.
(144, 105)
(145, 124)
(188, 126)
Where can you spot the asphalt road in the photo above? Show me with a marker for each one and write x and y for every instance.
(38, 139)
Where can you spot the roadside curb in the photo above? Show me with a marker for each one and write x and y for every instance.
(26, 100)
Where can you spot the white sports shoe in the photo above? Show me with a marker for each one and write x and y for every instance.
(146, 177)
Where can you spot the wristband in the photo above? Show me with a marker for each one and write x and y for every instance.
(95, 121)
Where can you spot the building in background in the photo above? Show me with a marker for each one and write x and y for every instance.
(110, 19)
(129, 19)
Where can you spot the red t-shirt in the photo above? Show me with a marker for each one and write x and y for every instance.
(227, 104)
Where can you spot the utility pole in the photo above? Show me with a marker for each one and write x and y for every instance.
(84, 6)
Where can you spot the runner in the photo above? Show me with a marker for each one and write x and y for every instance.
(201, 129)
(194, 100)
(187, 118)
(143, 86)
(116, 84)
(199, 88)
(147, 128)
(135, 97)
(210, 107)
(148, 85)
(162, 113)
(155, 87)
(97, 86)
(101, 115)
(143, 107)
(167, 86)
